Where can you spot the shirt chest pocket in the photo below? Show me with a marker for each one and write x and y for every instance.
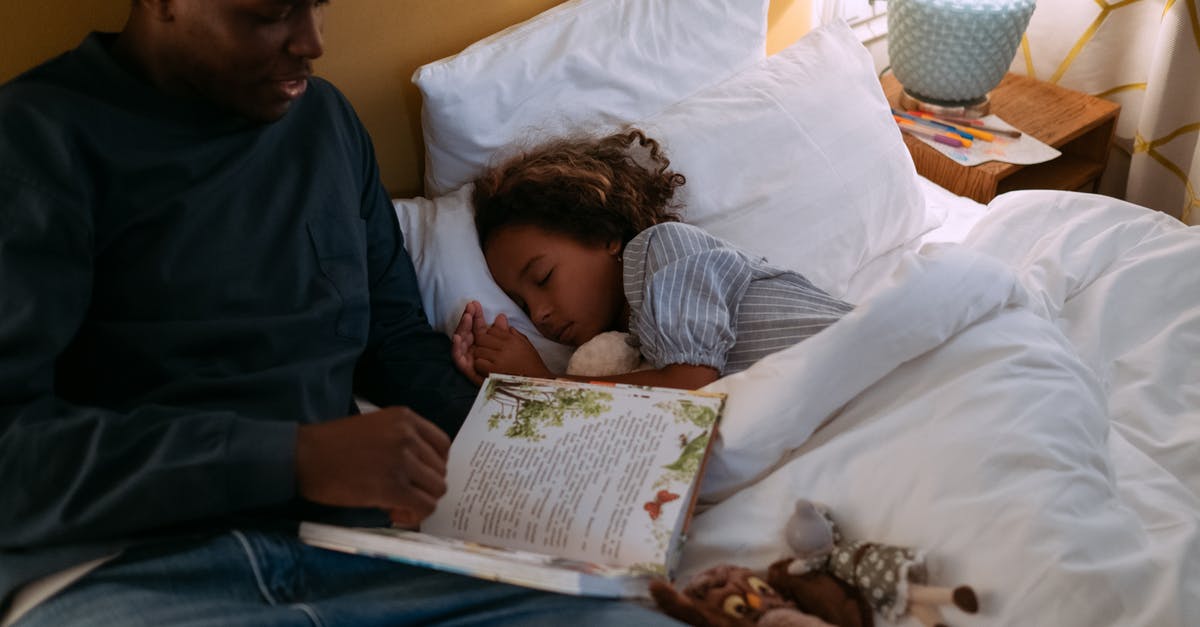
(339, 242)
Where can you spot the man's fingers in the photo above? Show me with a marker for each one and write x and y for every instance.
(435, 437)
(415, 503)
(423, 454)
(421, 436)
(403, 517)
(391, 458)
(424, 479)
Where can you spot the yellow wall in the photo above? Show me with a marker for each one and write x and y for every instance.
(373, 47)
(787, 20)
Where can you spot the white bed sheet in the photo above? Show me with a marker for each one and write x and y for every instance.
(961, 213)
(1024, 405)
(955, 214)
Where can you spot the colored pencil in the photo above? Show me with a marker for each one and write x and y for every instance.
(907, 126)
(931, 129)
(930, 123)
(975, 132)
(1008, 132)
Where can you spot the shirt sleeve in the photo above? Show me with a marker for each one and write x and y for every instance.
(684, 287)
(406, 361)
(76, 473)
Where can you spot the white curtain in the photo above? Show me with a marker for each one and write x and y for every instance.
(1145, 55)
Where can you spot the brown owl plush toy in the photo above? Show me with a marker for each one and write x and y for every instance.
(730, 596)
(892, 578)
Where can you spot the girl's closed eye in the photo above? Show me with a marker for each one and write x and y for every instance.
(545, 279)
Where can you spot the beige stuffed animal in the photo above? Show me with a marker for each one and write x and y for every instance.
(609, 353)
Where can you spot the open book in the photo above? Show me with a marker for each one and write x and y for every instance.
(579, 488)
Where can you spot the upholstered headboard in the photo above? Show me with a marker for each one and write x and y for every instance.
(373, 47)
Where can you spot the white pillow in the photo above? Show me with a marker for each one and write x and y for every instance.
(441, 239)
(585, 62)
(798, 159)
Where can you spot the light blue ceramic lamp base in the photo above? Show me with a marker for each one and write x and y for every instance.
(951, 53)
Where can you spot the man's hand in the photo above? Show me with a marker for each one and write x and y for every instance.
(392, 459)
(506, 350)
(462, 343)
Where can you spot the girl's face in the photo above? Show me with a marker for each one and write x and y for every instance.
(571, 290)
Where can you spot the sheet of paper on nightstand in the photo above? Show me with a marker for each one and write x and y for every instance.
(1022, 150)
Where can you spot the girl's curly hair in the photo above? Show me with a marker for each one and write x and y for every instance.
(594, 190)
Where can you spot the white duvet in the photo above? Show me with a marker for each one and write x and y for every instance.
(1024, 406)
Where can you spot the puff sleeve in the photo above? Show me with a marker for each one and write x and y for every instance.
(684, 287)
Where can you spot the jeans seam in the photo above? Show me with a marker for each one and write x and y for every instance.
(310, 612)
(258, 578)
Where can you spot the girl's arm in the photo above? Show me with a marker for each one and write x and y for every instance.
(503, 349)
(683, 376)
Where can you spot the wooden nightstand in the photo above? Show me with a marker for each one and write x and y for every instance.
(1079, 125)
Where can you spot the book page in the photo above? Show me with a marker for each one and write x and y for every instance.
(598, 473)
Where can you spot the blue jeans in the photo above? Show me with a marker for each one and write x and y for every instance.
(269, 579)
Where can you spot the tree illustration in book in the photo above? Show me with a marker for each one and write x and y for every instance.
(526, 406)
(701, 416)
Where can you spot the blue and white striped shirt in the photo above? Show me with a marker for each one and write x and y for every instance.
(696, 299)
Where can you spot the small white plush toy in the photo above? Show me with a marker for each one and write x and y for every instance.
(609, 353)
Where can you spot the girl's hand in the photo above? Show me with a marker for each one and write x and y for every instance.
(505, 350)
(462, 343)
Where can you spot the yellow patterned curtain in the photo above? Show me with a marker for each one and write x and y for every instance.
(1145, 55)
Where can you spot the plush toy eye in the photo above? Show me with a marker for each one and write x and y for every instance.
(760, 586)
(735, 606)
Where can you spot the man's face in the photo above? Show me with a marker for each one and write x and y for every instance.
(253, 57)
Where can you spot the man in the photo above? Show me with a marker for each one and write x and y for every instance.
(198, 262)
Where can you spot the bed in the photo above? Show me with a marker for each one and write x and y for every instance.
(1018, 390)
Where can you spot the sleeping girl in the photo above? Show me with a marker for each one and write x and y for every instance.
(583, 236)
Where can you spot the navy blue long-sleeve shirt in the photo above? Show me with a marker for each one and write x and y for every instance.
(179, 290)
